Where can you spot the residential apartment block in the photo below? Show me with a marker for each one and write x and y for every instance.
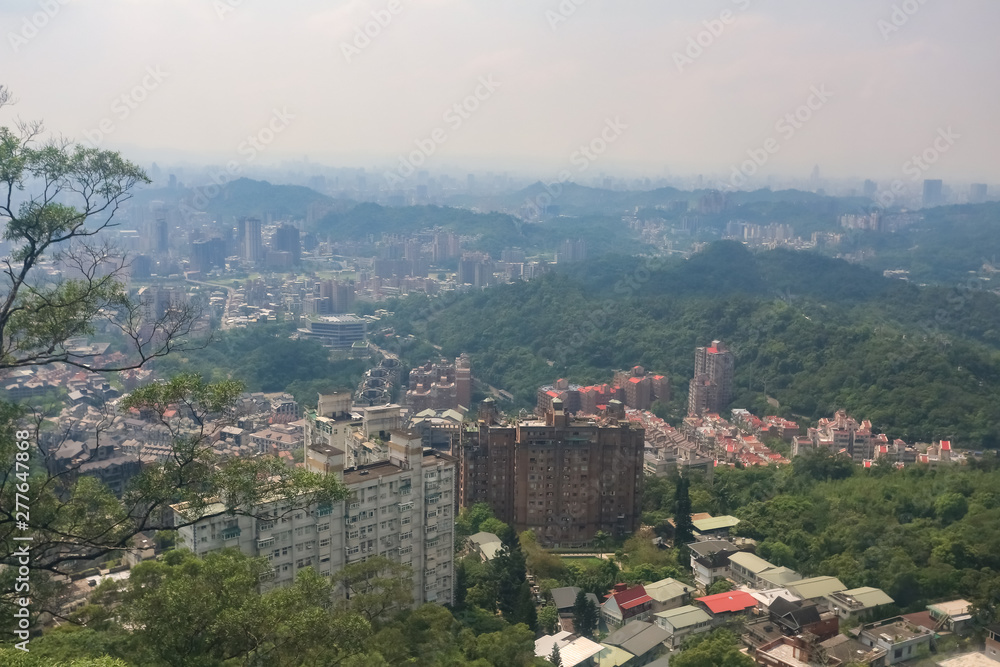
(401, 508)
(441, 386)
(563, 478)
(711, 388)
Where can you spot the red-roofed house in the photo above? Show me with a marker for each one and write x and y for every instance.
(626, 604)
(725, 606)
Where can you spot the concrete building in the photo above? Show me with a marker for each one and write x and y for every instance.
(710, 560)
(933, 192)
(401, 509)
(683, 622)
(857, 602)
(816, 588)
(440, 386)
(286, 239)
(626, 604)
(900, 639)
(669, 594)
(253, 244)
(711, 389)
(337, 331)
(565, 479)
(573, 651)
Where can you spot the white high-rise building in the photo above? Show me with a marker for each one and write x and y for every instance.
(402, 508)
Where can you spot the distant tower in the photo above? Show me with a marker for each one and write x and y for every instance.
(162, 237)
(286, 238)
(711, 390)
(253, 246)
(871, 188)
(933, 193)
(979, 193)
(463, 381)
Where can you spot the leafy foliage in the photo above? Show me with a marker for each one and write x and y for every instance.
(264, 359)
(814, 333)
(718, 649)
(585, 616)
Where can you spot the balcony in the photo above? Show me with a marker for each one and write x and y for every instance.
(231, 534)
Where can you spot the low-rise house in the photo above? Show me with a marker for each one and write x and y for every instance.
(993, 642)
(804, 651)
(573, 651)
(850, 651)
(668, 594)
(748, 568)
(802, 616)
(768, 597)
(626, 604)
(278, 438)
(683, 622)
(816, 588)
(900, 639)
(564, 599)
(783, 652)
(143, 548)
(645, 641)
(725, 607)
(714, 526)
(953, 616)
(486, 545)
(857, 602)
(710, 560)
(779, 577)
(613, 656)
(969, 660)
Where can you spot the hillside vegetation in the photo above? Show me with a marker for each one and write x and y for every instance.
(816, 334)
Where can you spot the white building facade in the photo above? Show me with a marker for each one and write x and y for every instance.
(402, 509)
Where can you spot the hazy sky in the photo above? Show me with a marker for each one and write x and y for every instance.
(225, 66)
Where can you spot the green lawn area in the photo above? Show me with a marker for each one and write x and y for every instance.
(583, 560)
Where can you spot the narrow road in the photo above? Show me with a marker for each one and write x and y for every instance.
(230, 292)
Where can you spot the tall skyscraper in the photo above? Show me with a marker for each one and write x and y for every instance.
(162, 236)
(711, 389)
(979, 193)
(571, 251)
(933, 193)
(286, 239)
(253, 246)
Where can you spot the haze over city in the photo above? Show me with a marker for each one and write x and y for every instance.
(693, 87)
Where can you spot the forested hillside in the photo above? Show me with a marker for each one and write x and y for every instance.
(489, 232)
(265, 359)
(920, 534)
(814, 333)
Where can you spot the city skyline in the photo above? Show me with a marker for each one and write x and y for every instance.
(580, 88)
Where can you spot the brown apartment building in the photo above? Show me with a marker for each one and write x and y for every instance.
(563, 478)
